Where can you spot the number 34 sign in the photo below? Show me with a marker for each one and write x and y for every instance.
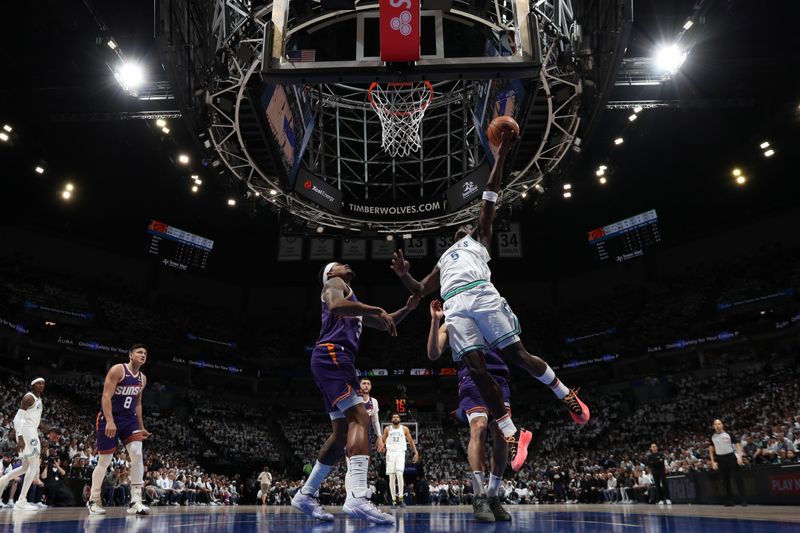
(509, 243)
(399, 22)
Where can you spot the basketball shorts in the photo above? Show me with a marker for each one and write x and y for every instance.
(128, 430)
(334, 372)
(33, 447)
(479, 319)
(395, 462)
(470, 401)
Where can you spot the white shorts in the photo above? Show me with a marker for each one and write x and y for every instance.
(479, 319)
(32, 444)
(395, 462)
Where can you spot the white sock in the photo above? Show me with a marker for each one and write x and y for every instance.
(506, 426)
(393, 486)
(98, 474)
(347, 483)
(30, 474)
(401, 487)
(477, 483)
(359, 466)
(494, 486)
(315, 479)
(558, 388)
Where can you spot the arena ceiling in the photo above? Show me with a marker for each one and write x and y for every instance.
(737, 88)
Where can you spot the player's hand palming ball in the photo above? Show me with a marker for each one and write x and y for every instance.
(501, 124)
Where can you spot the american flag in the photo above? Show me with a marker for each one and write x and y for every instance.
(301, 55)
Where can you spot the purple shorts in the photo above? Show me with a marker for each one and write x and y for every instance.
(128, 430)
(471, 401)
(335, 374)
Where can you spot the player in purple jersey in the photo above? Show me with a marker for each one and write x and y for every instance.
(334, 371)
(121, 419)
(472, 410)
(373, 410)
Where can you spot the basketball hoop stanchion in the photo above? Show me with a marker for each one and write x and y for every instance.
(400, 107)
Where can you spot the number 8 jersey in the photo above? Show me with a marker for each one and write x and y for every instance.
(123, 403)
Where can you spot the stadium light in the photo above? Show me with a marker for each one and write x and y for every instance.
(764, 145)
(3, 136)
(769, 153)
(130, 76)
(619, 140)
(603, 167)
(633, 117)
(8, 128)
(603, 181)
(567, 186)
(69, 187)
(195, 188)
(736, 172)
(688, 24)
(320, 229)
(741, 180)
(600, 172)
(638, 109)
(66, 195)
(39, 169)
(183, 159)
(165, 129)
(161, 122)
(273, 192)
(111, 44)
(524, 194)
(567, 194)
(231, 202)
(539, 188)
(390, 237)
(669, 58)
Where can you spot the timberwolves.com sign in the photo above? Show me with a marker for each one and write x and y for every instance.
(395, 211)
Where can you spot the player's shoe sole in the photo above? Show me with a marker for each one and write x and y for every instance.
(524, 441)
(310, 506)
(94, 508)
(577, 409)
(362, 509)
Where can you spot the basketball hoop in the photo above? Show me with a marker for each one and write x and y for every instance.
(400, 108)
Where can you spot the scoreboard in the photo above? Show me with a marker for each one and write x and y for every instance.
(625, 239)
(177, 248)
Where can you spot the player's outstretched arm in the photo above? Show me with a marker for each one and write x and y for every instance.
(333, 294)
(401, 267)
(486, 216)
(397, 316)
(437, 335)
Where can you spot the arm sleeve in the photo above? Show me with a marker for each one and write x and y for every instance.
(19, 422)
(376, 424)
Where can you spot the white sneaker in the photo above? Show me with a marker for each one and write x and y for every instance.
(138, 508)
(95, 508)
(669, 502)
(362, 508)
(25, 506)
(661, 502)
(310, 506)
(41, 505)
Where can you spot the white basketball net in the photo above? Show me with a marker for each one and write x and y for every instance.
(400, 108)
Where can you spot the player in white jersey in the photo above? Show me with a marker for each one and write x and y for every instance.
(477, 317)
(396, 437)
(26, 426)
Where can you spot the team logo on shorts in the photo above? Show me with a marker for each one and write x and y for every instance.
(34, 442)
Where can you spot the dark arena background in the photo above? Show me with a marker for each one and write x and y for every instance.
(176, 174)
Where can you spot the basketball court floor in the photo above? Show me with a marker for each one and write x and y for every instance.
(527, 518)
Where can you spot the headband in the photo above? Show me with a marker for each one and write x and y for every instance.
(37, 380)
(327, 271)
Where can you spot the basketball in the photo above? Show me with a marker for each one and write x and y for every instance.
(498, 125)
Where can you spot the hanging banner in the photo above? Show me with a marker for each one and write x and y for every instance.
(399, 30)
(442, 244)
(416, 247)
(290, 249)
(509, 243)
(383, 249)
(321, 249)
(354, 249)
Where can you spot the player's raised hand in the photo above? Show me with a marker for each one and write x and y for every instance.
(399, 264)
(391, 327)
(508, 138)
(436, 310)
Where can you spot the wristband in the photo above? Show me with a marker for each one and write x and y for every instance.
(490, 196)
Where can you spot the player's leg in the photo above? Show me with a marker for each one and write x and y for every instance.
(105, 448)
(330, 453)
(392, 481)
(399, 469)
(478, 423)
(500, 450)
(129, 432)
(31, 453)
(475, 362)
(357, 505)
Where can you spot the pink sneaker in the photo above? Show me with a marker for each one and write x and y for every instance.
(577, 409)
(525, 438)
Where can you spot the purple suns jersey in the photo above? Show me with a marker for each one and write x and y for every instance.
(494, 364)
(340, 330)
(123, 403)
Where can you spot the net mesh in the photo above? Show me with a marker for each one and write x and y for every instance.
(400, 108)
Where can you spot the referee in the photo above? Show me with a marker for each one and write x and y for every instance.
(721, 451)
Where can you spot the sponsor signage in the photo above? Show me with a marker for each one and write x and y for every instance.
(389, 211)
(319, 192)
(690, 343)
(468, 189)
(18, 327)
(399, 30)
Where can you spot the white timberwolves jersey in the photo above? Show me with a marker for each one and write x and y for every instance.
(33, 414)
(396, 441)
(463, 263)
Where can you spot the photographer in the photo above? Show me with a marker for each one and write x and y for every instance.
(56, 491)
